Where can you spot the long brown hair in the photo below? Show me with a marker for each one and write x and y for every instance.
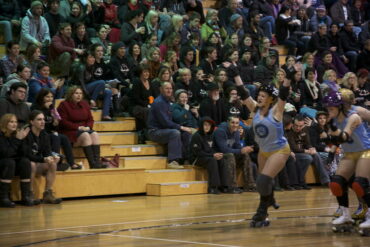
(4, 120)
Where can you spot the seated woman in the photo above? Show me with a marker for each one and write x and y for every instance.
(77, 123)
(43, 161)
(83, 75)
(185, 116)
(310, 90)
(23, 74)
(41, 79)
(32, 57)
(13, 161)
(44, 102)
(234, 106)
(141, 97)
(164, 75)
(203, 155)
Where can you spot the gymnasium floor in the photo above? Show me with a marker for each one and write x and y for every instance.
(193, 220)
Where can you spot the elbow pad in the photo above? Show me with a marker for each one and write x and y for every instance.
(243, 92)
(284, 92)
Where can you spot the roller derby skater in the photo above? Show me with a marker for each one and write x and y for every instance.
(269, 134)
(348, 130)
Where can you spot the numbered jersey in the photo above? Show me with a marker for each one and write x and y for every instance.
(269, 134)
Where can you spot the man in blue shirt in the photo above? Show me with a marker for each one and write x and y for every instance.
(227, 141)
(163, 130)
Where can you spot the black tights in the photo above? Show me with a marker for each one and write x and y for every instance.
(10, 167)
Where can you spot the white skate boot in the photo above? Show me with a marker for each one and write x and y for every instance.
(364, 227)
(343, 223)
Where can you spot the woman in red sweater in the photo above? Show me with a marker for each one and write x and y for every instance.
(77, 124)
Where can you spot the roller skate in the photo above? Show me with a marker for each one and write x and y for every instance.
(359, 215)
(260, 218)
(343, 223)
(364, 227)
(338, 213)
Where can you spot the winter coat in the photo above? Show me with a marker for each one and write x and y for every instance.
(30, 33)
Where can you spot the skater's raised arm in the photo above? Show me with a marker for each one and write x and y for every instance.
(245, 96)
(283, 96)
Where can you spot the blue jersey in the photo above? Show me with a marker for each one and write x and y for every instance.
(360, 136)
(269, 134)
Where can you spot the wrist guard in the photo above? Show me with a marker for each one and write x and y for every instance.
(243, 92)
(284, 92)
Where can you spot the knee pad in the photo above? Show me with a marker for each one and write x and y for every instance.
(338, 185)
(360, 186)
(264, 184)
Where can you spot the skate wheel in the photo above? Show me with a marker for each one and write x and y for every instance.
(252, 224)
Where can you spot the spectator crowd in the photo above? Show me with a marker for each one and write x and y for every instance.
(173, 65)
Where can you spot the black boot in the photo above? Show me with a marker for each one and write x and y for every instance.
(261, 213)
(27, 199)
(96, 151)
(89, 153)
(115, 105)
(5, 202)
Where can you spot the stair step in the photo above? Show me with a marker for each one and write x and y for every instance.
(147, 162)
(118, 138)
(169, 175)
(281, 49)
(124, 150)
(177, 188)
(126, 125)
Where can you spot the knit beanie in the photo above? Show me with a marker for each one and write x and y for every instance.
(35, 4)
(234, 17)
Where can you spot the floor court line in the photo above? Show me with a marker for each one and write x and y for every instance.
(159, 220)
(149, 238)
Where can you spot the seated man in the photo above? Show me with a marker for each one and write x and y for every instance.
(9, 63)
(43, 161)
(227, 141)
(35, 29)
(62, 51)
(299, 142)
(213, 106)
(15, 103)
(163, 130)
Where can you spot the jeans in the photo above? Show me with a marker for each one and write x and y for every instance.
(171, 137)
(267, 23)
(320, 167)
(252, 90)
(97, 88)
(7, 30)
(60, 140)
(302, 161)
(352, 57)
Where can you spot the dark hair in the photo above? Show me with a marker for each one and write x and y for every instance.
(131, 48)
(287, 119)
(17, 85)
(140, 69)
(228, 91)
(34, 114)
(41, 95)
(93, 48)
(42, 65)
(299, 117)
(209, 50)
(229, 52)
(10, 44)
(194, 15)
(31, 49)
(21, 67)
(133, 14)
(308, 70)
(324, 53)
(64, 25)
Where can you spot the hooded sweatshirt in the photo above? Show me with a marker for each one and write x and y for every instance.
(201, 143)
(33, 31)
(225, 141)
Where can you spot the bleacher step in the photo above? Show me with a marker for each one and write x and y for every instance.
(178, 188)
(124, 150)
(106, 126)
(169, 175)
(148, 162)
(118, 138)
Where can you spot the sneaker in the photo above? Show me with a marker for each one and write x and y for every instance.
(49, 198)
(62, 167)
(174, 165)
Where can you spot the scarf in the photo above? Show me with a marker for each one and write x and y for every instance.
(133, 7)
(312, 87)
(43, 80)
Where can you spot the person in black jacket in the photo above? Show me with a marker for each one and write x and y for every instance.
(202, 154)
(130, 32)
(43, 160)
(44, 102)
(141, 97)
(13, 161)
(351, 45)
(53, 17)
(213, 106)
(120, 66)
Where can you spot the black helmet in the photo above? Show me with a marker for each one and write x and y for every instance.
(270, 89)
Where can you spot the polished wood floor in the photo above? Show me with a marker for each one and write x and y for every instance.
(192, 220)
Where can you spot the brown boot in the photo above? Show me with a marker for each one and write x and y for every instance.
(49, 198)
